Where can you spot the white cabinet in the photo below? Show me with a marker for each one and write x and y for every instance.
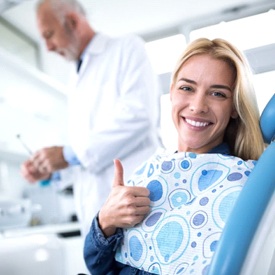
(55, 250)
(31, 255)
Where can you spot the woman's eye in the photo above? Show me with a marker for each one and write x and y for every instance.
(186, 88)
(218, 94)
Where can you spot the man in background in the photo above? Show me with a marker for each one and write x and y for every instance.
(113, 107)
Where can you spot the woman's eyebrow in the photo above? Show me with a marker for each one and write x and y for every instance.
(220, 86)
(215, 86)
(187, 80)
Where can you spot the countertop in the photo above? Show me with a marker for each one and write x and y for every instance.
(63, 229)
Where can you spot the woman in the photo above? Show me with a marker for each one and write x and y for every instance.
(169, 217)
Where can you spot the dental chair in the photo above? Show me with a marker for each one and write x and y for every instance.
(247, 244)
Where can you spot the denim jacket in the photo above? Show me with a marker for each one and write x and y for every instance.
(99, 253)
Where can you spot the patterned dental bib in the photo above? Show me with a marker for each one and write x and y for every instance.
(191, 197)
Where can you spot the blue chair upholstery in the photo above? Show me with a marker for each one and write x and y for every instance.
(267, 121)
(250, 206)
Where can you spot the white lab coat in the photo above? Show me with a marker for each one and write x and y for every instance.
(113, 113)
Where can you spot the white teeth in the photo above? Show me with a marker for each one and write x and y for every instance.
(196, 123)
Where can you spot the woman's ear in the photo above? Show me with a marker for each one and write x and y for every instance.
(234, 114)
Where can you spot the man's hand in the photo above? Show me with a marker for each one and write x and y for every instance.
(31, 173)
(125, 207)
(49, 159)
(43, 163)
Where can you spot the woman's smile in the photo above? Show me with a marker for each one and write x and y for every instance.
(196, 123)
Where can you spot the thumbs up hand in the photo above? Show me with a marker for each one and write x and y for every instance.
(125, 207)
(118, 178)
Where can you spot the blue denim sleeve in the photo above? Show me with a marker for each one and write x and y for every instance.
(99, 252)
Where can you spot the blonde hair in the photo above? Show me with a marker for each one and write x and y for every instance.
(243, 134)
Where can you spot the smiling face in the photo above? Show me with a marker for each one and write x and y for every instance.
(202, 103)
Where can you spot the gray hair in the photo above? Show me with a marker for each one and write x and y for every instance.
(62, 7)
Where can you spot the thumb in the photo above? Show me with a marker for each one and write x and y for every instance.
(118, 178)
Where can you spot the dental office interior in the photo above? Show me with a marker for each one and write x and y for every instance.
(39, 233)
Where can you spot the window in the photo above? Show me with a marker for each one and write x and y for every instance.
(164, 52)
(246, 33)
(16, 43)
(264, 87)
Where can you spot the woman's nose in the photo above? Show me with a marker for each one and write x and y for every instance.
(198, 104)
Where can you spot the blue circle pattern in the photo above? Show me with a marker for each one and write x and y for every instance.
(167, 166)
(156, 191)
(191, 196)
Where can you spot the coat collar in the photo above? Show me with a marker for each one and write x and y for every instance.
(96, 46)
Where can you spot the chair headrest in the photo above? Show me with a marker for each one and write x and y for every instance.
(267, 121)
